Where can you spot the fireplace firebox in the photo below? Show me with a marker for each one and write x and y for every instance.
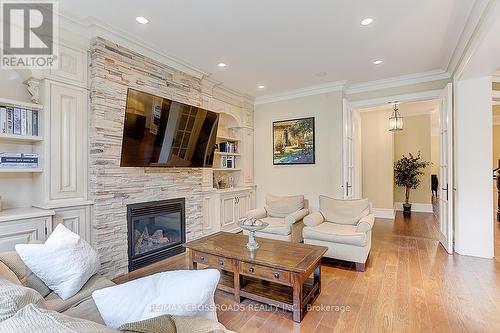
(156, 230)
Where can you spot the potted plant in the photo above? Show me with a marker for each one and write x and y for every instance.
(407, 172)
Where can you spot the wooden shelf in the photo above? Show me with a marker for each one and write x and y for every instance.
(12, 102)
(20, 138)
(226, 138)
(226, 169)
(32, 170)
(226, 154)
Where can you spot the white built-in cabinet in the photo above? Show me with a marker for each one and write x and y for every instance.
(23, 225)
(59, 191)
(223, 209)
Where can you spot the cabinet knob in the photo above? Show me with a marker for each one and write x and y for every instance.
(251, 269)
(202, 258)
(221, 262)
(277, 275)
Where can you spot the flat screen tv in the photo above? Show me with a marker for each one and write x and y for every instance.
(159, 132)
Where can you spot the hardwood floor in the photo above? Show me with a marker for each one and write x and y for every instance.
(410, 284)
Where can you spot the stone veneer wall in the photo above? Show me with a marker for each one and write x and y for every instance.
(114, 69)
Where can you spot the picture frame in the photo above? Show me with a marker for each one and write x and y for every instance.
(294, 141)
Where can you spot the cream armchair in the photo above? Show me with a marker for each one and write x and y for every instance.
(344, 227)
(284, 215)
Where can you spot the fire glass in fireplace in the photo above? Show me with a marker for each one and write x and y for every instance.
(156, 230)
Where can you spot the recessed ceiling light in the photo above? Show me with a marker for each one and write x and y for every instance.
(377, 62)
(141, 20)
(367, 21)
(261, 87)
(221, 65)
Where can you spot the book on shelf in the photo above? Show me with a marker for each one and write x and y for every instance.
(10, 120)
(19, 160)
(3, 120)
(227, 147)
(18, 121)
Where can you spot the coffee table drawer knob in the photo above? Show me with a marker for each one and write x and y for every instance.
(202, 258)
(251, 270)
(277, 275)
(221, 262)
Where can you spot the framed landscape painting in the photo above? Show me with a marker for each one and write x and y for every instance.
(293, 141)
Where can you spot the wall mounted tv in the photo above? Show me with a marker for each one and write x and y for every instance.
(159, 132)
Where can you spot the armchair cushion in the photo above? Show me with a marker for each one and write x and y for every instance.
(336, 233)
(314, 219)
(281, 206)
(296, 216)
(366, 223)
(257, 213)
(276, 226)
(343, 211)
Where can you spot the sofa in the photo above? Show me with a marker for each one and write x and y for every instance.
(79, 313)
(344, 227)
(284, 215)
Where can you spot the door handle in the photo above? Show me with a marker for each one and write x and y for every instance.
(445, 189)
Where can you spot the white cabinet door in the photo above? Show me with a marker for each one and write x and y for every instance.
(228, 212)
(68, 143)
(76, 219)
(248, 170)
(209, 219)
(243, 205)
(23, 231)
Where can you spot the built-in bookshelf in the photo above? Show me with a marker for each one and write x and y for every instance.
(20, 124)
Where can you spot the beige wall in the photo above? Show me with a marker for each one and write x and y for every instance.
(416, 137)
(324, 177)
(435, 138)
(377, 152)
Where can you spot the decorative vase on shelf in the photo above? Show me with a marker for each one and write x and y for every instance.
(252, 225)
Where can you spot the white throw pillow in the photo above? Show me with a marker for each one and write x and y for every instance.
(64, 263)
(181, 293)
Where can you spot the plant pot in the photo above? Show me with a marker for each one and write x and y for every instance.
(406, 209)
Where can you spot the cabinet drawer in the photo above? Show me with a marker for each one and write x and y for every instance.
(213, 261)
(265, 273)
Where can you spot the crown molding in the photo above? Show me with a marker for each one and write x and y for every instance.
(475, 18)
(91, 28)
(301, 92)
(397, 81)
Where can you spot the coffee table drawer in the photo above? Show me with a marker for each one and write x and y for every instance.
(213, 261)
(265, 273)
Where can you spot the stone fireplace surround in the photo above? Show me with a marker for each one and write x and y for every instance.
(114, 69)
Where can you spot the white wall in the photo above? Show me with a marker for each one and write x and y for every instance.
(473, 168)
(324, 177)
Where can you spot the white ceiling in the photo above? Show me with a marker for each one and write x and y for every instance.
(283, 44)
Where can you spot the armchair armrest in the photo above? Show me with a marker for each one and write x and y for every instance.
(314, 219)
(257, 213)
(296, 216)
(366, 223)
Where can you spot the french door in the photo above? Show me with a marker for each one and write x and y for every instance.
(446, 169)
(348, 165)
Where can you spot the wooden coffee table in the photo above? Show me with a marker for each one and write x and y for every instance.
(282, 274)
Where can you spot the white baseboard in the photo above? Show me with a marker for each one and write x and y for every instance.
(415, 207)
(384, 213)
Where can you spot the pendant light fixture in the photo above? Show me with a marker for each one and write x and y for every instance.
(395, 121)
